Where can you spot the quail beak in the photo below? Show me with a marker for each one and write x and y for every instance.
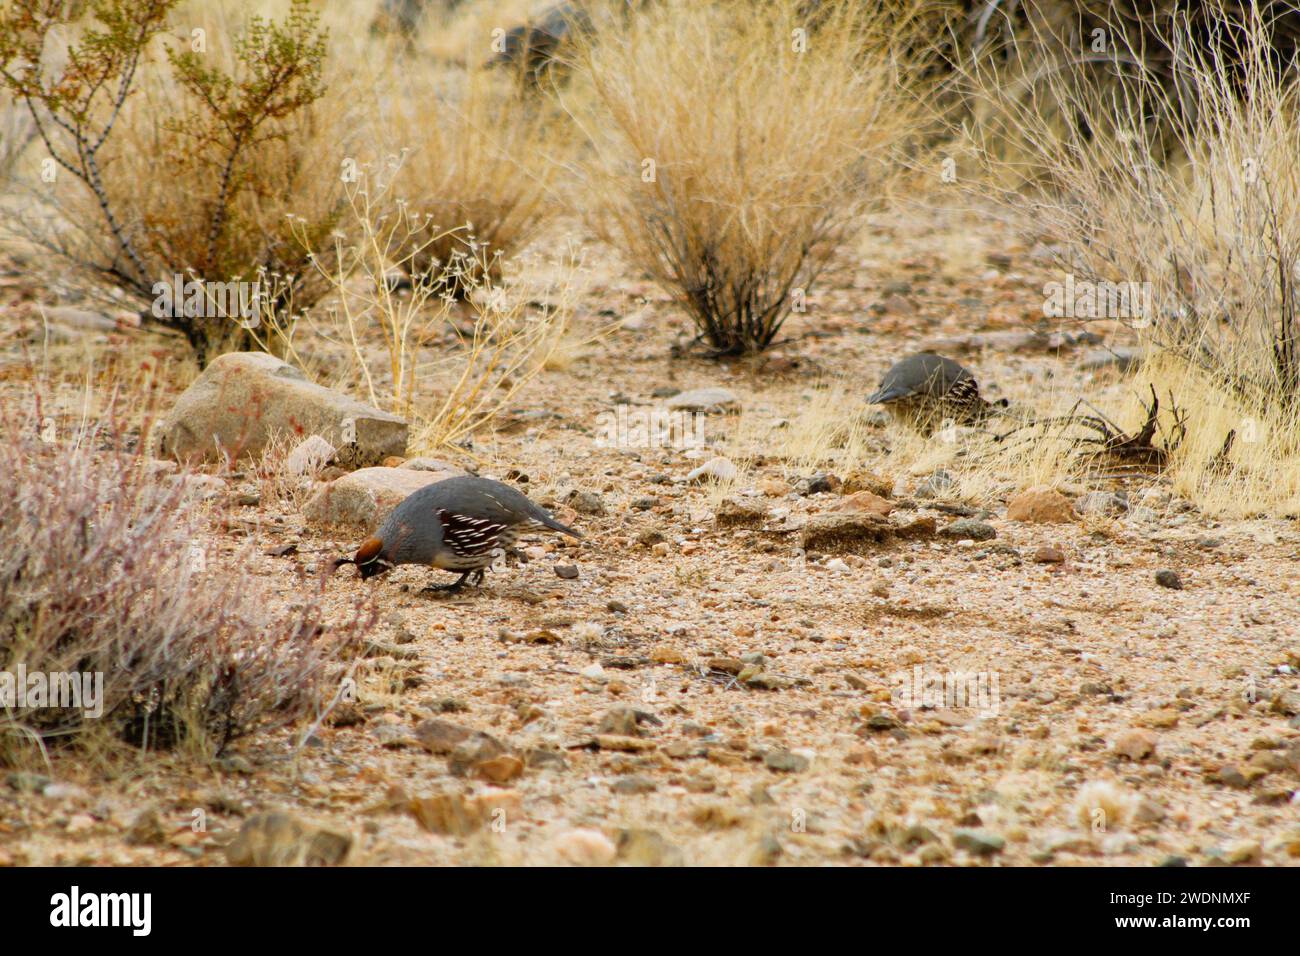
(368, 569)
(368, 559)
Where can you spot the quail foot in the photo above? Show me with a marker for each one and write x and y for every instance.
(924, 390)
(461, 524)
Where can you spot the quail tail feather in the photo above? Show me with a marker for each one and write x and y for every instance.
(554, 525)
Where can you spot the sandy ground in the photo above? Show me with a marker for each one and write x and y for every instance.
(1128, 723)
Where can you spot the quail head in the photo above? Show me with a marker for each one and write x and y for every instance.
(460, 524)
(924, 390)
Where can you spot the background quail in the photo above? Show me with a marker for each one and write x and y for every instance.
(924, 390)
(460, 524)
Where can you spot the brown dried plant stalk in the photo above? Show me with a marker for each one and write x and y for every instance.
(451, 360)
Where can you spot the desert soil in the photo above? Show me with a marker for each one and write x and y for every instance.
(714, 695)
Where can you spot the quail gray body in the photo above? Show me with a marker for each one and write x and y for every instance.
(924, 390)
(461, 524)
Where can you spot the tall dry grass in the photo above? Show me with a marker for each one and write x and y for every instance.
(1210, 230)
(735, 144)
(450, 351)
(479, 162)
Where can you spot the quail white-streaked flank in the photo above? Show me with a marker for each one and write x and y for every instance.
(460, 524)
(924, 390)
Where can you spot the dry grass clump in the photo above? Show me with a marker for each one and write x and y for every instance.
(486, 361)
(1038, 442)
(478, 164)
(1049, 57)
(1237, 458)
(1081, 30)
(735, 144)
(103, 574)
(1209, 233)
(828, 429)
(1232, 459)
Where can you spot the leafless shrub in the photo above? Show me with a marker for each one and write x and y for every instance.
(102, 573)
(179, 158)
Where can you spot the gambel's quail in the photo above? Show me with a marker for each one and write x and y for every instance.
(924, 390)
(458, 524)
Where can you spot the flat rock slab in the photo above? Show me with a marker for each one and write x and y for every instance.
(860, 532)
(705, 400)
(865, 502)
(1012, 341)
(243, 400)
(845, 533)
(363, 499)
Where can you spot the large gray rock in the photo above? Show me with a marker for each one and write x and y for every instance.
(243, 400)
(363, 499)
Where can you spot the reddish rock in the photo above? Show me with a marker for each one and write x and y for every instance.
(1136, 744)
(864, 502)
(1041, 505)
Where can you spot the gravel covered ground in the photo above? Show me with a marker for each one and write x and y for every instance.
(690, 683)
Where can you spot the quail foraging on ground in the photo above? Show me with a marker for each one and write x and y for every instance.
(924, 390)
(459, 524)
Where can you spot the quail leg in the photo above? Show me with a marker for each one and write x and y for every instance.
(474, 578)
(453, 587)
